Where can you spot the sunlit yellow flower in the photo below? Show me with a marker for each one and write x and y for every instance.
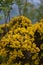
(41, 46)
(36, 62)
(34, 45)
(37, 49)
(27, 64)
(41, 54)
(34, 56)
(20, 54)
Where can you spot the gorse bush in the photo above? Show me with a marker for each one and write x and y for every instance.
(23, 43)
(13, 21)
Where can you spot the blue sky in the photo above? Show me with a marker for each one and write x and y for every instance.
(37, 1)
(34, 2)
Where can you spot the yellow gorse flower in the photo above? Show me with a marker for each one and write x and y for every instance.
(19, 44)
(41, 46)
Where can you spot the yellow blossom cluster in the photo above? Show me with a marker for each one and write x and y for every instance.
(23, 43)
(17, 21)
